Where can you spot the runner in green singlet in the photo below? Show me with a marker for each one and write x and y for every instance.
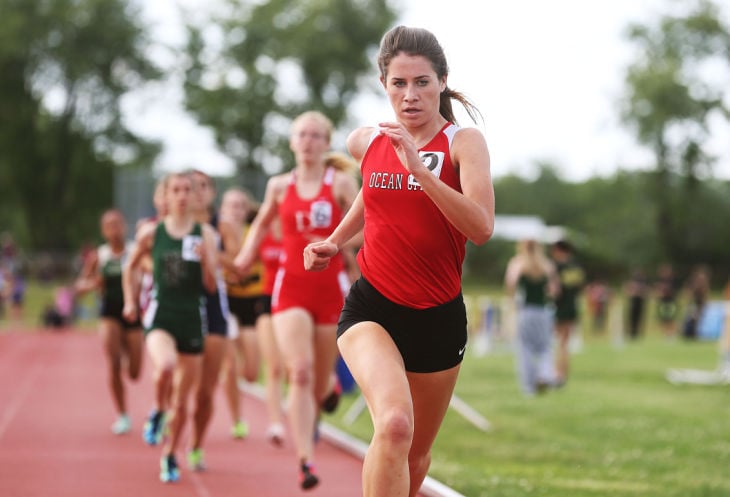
(184, 259)
(122, 340)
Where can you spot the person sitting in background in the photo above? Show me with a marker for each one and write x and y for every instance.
(62, 312)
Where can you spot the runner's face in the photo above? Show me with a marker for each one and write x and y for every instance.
(178, 194)
(113, 228)
(234, 208)
(309, 141)
(204, 192)
(413, 88)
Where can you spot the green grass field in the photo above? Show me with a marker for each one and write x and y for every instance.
(617, 429)
(40, 295)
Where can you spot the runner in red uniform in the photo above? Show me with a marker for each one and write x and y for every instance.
(426, 190)
(310, 202)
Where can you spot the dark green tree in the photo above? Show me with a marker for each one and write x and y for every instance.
(611, 220)
(64, 67)
(274, 60)
(671, 102)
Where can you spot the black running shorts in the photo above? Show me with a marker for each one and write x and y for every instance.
(248, 309)
(429, 340)
(112, 309)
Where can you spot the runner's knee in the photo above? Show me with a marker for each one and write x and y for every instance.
(166, 368)
(395, 427)
(301, 375)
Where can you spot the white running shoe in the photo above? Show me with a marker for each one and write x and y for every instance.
(122, 425)
(275, 434)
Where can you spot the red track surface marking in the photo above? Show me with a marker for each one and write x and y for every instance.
(55, 415)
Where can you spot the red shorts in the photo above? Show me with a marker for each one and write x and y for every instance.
(320, 294)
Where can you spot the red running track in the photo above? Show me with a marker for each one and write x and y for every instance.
(55, 438)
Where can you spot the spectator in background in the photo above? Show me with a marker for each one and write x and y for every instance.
(17, 294)
(666, 288)
(598, 297)
(62, 312)
(572, 279)
(6, 284)
(724, 343)
(698, 288)
(636, 290)
(8, 252)
(532, 279)
(12, 281)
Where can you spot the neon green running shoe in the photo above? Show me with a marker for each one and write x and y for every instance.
(196, 460)
(239, 430)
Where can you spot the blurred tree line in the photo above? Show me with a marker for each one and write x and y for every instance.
(249, 67)
(612, 222)
(253, 66)
(64, 67)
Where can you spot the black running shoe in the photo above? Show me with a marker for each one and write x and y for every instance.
(330, 403)
(307, 478)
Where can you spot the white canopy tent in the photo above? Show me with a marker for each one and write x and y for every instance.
(513, 227)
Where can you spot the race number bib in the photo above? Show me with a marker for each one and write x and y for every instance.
(190, 250)
(320, 215)
(434, 161)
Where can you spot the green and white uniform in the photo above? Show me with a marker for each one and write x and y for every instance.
(112, 296)
(177, 304)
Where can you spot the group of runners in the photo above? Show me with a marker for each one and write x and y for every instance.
(395, 313)
(178, 291)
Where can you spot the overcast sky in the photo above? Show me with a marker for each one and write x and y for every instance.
(546, 75)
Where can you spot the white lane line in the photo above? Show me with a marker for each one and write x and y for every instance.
(12, 407)
(200, 489)
(430, 488)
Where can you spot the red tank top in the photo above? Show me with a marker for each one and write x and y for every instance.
(411, 253)
(269, 253)
(305, 221)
